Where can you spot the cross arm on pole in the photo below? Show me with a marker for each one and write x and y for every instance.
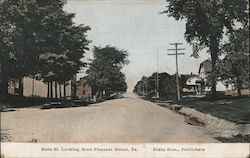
(176, 43)
(177, 54)
(176, 58)
(176, 49)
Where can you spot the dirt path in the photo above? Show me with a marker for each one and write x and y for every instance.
(123, 120)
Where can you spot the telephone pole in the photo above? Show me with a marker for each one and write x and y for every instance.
(176, 59)
(157, 78)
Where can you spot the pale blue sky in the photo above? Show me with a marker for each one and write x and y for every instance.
(138, 27)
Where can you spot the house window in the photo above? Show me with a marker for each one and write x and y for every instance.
(83, 92)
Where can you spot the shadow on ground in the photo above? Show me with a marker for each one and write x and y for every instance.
(63, 105)
(233, 109)
(235, 139)
(5, 137)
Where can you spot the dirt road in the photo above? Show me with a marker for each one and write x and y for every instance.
(126, 120)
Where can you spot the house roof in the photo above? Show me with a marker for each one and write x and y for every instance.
(83, 80)
(189, 75)
(207, 65)
(193, 80)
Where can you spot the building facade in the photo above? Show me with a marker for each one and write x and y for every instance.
(33, 87)
(84, 89)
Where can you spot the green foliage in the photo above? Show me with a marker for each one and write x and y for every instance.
(167, 85)
(105, 73)
(207, 21)
(206, 18)
(234, 67)
(38, 38)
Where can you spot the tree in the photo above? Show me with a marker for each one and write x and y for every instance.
(234, 67)
(114, 81)
(206, 22)
(183, 80)
(7, 59)
(39, 40)
(63, 59)
(24, 16)
(65, 44)
(105, 73)
(167, 85)
(139, 89)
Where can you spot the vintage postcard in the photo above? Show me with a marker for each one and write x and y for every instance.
(124, 78)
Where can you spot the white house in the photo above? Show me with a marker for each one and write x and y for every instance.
(194, 83)
(199, 83)
(204, 69)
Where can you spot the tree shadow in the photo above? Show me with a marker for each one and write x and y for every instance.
(5, 137)
(57, 105)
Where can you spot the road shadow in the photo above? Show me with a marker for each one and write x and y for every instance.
(5, 137)
(57, 105)
(7, 110)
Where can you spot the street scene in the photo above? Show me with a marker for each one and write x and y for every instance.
(129, 119)
(136, 71)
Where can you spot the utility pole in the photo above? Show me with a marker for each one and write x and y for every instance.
(176, 59)
(143, 90)
(157, 79)
(33, 86)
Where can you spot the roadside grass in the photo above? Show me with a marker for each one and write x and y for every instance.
(234, 109)
(231, 108)
(13, 101)
(4, 137)
(235, 139)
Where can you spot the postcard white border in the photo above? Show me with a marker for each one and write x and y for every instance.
(110, 150)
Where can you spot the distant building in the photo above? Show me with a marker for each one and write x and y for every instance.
(199, 83)
(84, 89)
(204, 70)
(193, 84)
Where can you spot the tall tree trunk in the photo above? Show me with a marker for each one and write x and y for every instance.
(4, 87)
(51, 89)
(60, 91)
(101, 94)
(73, 90)
(20, 88)
(3, 83)
(56, 90)
(239, 90)
(33, 86)
(64, 90)
(214, 48)
(48, 90)
(239, 86)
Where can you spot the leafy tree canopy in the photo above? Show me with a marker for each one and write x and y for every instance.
(206, 18)
(105, 73)
(38, 38)
(206, 23)
(234, 67)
